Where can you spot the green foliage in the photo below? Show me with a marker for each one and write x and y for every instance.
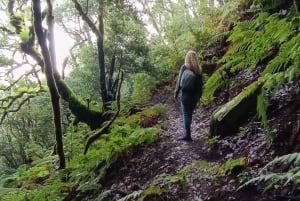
(24, 34)
(112, 148)
(4, 61)
(287, 57)
(205, 169)
(151, 191)
(279, 178)
(39, 182)
(231, 11)
(270, 40)
(232, 165)
(216, 81)
(148, 117)
(42, 182)
(262, 108)
(178, 178)
(213, 140)
(126, 39)
(141, 195)
(28, 133)
(124, 135)
(86, 72)
(143, 86)
(188, 25)
(254, 41)
(132, 196)
(223, 111)
(8, 194)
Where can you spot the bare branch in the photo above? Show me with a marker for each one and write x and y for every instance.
(87, 19)
(4, 29)
(12, 102)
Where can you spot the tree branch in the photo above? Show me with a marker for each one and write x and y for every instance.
(6, 112)
(97, 134)
(87, 19)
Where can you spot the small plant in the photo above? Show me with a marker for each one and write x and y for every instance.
(151, 191)
(244, 130)
(233, 166)
(212, 140)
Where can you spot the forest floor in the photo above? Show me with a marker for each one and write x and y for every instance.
(168, 156)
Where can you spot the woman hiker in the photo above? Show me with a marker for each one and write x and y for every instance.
(189, 82)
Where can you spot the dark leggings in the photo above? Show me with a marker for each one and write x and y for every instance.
(188, 105)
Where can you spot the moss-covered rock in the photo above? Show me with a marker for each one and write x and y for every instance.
(227, 119)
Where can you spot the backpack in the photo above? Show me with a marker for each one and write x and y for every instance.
(187, 81)
(198, 85)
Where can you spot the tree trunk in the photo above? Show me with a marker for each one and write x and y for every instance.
(41, 36)
(93, 119)
(99, 33)
(111, 71)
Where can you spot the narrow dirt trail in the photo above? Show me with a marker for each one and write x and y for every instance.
(186, 152)
(167, 155)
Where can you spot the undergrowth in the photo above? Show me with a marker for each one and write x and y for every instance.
(274, 174)
(42, 181)
(165, 184)
(271, 41)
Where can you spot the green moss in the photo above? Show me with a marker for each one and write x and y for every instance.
(221, 112)
(234, 166)
(147, 117)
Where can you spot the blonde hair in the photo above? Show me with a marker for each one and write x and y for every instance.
(191, 62)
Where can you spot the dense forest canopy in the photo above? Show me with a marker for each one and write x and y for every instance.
(67, 123)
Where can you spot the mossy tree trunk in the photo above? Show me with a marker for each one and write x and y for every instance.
(48, 64)
(107, 94)
(93, 119)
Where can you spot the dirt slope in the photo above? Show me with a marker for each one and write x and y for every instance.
(168, 156)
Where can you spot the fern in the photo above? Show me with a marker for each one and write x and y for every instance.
(216, 81)
(288, 54)
(255, 40)
(293, 158)
(292, 175)
(132, 196)
(179, 178)
(262, 105)
(292, 72)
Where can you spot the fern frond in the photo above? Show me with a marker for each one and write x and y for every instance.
(292, 175)
(292, 72)
(261, 108)
(215, 82)
(252, 43)
(288, 54)
(259, 179)
(245, 30)
(132, 196)
(279, 29)
(273, 82)
(293, 158)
